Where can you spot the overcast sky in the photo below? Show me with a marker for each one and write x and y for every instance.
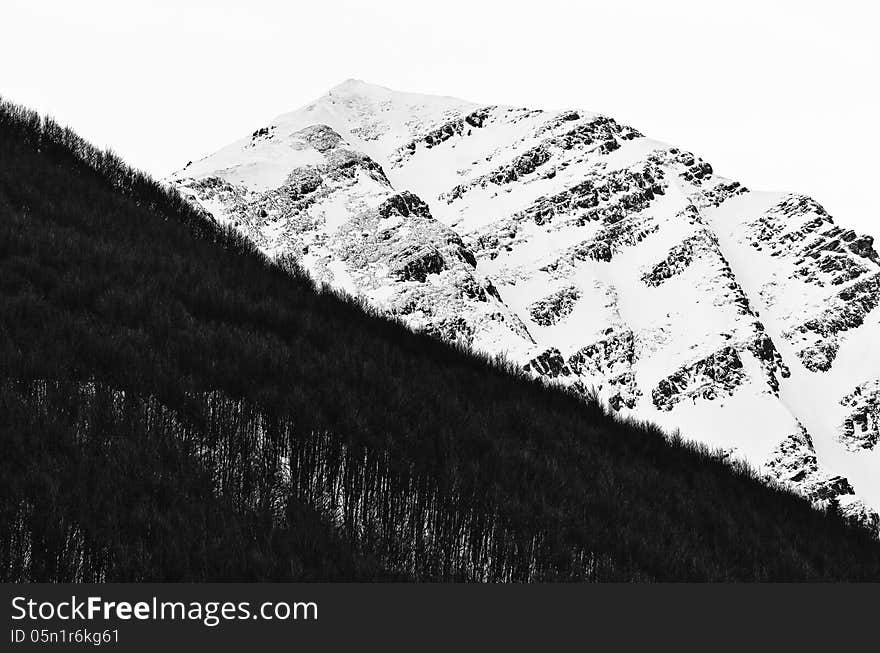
(779, 95)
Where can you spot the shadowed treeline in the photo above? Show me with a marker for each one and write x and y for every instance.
(173, 406)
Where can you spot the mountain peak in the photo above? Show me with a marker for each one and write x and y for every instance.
(358, 87)
(351, 84)
(591, 255)
(366, 92)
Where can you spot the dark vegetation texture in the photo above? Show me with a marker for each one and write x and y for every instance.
(173, 406)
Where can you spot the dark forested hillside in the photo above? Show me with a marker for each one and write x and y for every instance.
(175, 407)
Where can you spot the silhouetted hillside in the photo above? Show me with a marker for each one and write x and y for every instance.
(173, 406)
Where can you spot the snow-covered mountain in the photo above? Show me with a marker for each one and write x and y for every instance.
(590, 254)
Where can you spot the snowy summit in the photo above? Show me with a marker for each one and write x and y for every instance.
(595, 257)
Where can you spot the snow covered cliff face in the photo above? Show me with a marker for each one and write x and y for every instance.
(593, 256)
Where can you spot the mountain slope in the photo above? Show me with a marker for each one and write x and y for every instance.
(174, 406)
(588, 254)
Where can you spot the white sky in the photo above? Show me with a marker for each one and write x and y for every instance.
(779, 95)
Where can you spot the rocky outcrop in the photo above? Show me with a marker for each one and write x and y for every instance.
(610, 361)
(763, 349)
(600, 135)
(262, 134)
(404, 205)
(679, 258)
(861, 426)
(818, 339)
(416, 263)
(856, 511)
(548, 364)
(824, 254)
(722, 191)
(461, 126)
(606, 199)
(691, 168)
(554, 307)
(608, 241)
(423, 270)
(321, 137)
(719, 373)
(793, 463)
